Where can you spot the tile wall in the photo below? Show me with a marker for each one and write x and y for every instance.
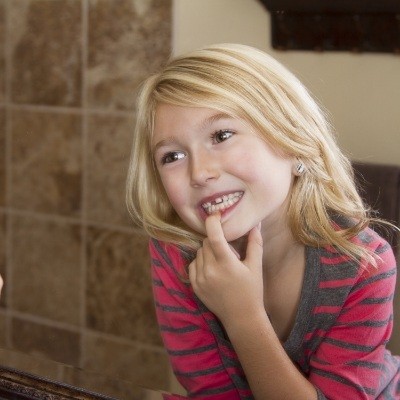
(77, 286)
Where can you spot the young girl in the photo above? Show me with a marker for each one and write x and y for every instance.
(268, 282)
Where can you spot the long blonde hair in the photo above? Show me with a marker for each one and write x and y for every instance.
(247, 83)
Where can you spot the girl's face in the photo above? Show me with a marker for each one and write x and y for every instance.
(209, 161)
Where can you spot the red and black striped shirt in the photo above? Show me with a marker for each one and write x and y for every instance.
(338, 340)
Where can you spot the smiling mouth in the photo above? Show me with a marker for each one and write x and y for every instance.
(222, 203)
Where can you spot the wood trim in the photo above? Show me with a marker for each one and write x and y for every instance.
(316, 25)
(378, 33)
(18, 385)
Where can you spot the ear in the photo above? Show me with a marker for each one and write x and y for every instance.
(298, 167)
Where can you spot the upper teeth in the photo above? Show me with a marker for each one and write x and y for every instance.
(220, 203)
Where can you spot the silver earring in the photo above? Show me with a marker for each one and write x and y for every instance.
(300, 168)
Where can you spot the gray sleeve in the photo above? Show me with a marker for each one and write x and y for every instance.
(321, 396)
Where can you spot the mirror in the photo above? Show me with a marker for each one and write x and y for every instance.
(77, 285)
(20, 384)
(77, 295)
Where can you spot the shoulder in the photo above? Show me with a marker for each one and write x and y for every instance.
(372, 240)
(381, 251)
(168, 259)
(163, 252)
(338, 268)
(369, 239)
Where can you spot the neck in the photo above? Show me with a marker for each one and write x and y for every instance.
(281, 249)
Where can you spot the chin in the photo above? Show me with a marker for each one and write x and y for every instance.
(233, 235)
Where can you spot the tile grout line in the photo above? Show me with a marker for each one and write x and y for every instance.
(84, 226)
(125, 341)
(70, 327)
(8, 162)
(44, 321)
(71, 220)
(69, 110)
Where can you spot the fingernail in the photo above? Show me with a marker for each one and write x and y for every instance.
(218, 214)
(259, 226)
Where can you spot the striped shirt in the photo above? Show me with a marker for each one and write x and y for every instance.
(343, 323)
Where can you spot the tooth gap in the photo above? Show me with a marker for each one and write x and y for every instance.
(221, 203)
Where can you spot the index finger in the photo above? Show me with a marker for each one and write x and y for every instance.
(216, 237)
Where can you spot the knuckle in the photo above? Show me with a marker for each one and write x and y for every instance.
(215, 242)
(206, 242)
(208, 274)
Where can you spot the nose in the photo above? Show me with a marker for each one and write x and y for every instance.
(203, 169)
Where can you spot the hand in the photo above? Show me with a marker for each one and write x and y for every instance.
(1, 283)
(229, 287)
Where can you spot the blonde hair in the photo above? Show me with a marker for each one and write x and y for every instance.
(247, 83)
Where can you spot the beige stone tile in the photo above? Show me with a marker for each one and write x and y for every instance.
(103, 384)
(46, 52)
(45, 341)
(2, 51)
(3, 261)
(128, 39)
(126, 362)
(174, 385)
(46, 269)
(3, 331)
(109, 144)
(2, 156)
(46, 162)
(119, 297)
(33, 365)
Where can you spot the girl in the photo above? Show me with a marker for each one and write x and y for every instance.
(268, 282)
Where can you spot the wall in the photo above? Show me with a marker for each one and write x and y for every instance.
(360, 91)
(77, 285)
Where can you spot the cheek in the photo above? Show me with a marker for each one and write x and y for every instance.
(271, 175)
(251, 167)
(174, 191)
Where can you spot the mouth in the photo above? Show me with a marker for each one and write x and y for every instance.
(222, 202)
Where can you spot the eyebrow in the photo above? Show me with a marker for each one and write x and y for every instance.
(201, 126)
(212, 119)
(164, 142)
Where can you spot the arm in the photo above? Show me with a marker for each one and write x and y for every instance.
(192, 348)
(269, 370)
(352, 362)
(233, 290)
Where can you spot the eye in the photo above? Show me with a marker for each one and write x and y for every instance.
(222, 135)
(171, 157)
